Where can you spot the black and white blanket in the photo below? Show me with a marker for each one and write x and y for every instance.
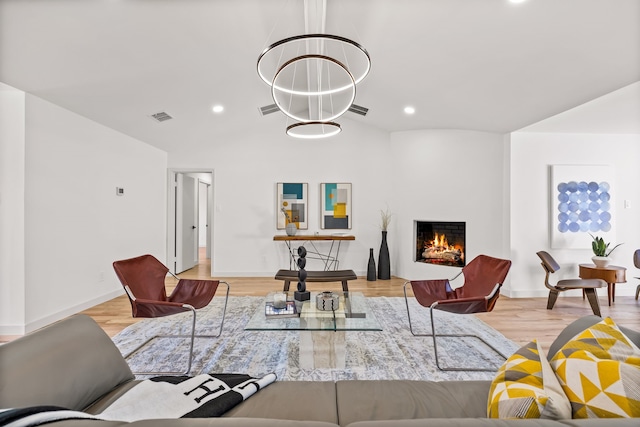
(202, 396)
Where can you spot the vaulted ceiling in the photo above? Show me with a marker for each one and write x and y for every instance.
(486, 65)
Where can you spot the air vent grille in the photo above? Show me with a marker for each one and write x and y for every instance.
(268, 109)
(272, 108)
(358, 109)
(161, 116)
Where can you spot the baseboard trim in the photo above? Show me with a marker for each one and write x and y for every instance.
(52, 318)
(217, 274)
(11, 331)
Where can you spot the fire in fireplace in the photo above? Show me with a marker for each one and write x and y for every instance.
(439, 242)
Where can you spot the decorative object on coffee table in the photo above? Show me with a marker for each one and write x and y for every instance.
(327, 301)
(302, 294)
(371, 267)
(289, 309)
(279, 299)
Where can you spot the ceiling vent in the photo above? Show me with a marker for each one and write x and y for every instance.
(272, 108)
(161, 116)
(268, 109)
(358, 109)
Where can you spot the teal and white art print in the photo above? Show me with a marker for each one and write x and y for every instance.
(581, 204)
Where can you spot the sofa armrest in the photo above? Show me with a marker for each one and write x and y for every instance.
(70, 364)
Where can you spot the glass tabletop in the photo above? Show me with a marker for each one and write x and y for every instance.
(353, 314)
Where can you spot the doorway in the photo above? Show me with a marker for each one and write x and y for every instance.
(190, 219)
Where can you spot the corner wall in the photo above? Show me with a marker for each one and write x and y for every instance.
(75, 224)
(531, 156)
(12, 177)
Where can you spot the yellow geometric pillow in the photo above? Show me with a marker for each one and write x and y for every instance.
(526, 387)
(599, 370)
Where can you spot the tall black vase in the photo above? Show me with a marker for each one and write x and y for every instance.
(384, 268)
(371, 268)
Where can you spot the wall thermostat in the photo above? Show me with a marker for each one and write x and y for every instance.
(119, 191)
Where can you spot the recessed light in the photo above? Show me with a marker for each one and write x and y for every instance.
(517, 1)
(409, 110)
(218, 109)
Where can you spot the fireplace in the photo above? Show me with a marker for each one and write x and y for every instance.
(440, 242)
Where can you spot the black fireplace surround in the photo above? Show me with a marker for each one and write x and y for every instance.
(440, 242)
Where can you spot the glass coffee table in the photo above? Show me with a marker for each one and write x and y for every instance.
(322, 333)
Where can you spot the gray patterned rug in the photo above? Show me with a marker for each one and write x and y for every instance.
(393, 353)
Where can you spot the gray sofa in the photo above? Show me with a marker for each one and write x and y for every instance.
(74, 364)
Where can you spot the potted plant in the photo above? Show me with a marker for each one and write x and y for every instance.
(601, 251)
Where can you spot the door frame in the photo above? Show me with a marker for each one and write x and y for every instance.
(171, 213)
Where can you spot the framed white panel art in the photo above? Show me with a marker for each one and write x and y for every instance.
(581, 204)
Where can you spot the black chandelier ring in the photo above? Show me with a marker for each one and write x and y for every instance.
(313, 130)
(359, 66)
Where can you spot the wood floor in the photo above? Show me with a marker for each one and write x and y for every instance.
(519, 319)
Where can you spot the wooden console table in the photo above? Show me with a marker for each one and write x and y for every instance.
(329, 258)
(611, 274)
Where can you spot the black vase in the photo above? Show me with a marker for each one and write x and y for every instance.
(384, 268)
(371, 268)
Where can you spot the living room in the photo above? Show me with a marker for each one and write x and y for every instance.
(64, 224)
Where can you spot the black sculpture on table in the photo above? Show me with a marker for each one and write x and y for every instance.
(302, 294)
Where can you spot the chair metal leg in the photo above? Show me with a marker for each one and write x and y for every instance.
(191, 337)
(637, 291)
(435, 343)
(455, 368)
(191, 342)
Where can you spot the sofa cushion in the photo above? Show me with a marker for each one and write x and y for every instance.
(70, 364)
(599, 370)
(526, 387)
(579, 325)
(463, 422)
(291, 400)
(361, 400)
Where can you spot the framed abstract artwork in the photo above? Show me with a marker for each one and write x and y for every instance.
(292, 205)
(335, 206)
(581, 204)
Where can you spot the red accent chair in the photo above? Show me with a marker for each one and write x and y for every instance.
(483, 277)
(143, 279)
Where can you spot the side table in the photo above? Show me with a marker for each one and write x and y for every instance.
(611, 274)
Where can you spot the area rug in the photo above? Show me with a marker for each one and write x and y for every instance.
(393, 353)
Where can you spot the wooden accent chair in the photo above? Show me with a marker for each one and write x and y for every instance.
(636, 262)
(588, 286)
(483, 277)
(143, 279)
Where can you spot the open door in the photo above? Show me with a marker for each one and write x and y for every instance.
(186, 245)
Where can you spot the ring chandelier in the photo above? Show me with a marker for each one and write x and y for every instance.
(313, 80)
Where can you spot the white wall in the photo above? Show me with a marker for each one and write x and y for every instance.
(531, 156)
(75, 225)
(249, 163)
(447, 175)
(12, 175)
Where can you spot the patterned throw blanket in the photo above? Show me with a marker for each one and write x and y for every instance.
(202, 396)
